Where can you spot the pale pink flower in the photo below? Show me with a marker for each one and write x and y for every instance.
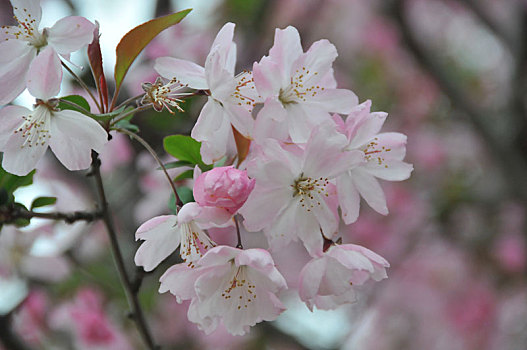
(224, 187)
(298, 88)
(234, 286)
(231, 98)
(163, 234)
(291, 196)
(25, 135)
(383, 158)
(24, 49)
(327, 281)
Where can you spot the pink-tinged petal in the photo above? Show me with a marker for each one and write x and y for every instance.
(151, 224)
(281, 230)
(333, 100)
(324, 155)
(11, 118)
(267, 77)
(258, 259)
(240, 118)
(350, 258)
(298, 123)
(362, 125)
(325, 218)
(209, 121)
(73, 136)
(216, 148)
(213, 215)
(27, 12)
(69, 34)
(219, 255)
(266, 126)
(370, 190)
(226, 47)
(349, 198)
(308, 230)
(161, 238)
(286, 49)
(45, 75)
(310, 279)
(348, 255)
(317, 60)
(391, 170)
(220, 81)
(186, 72)
(262, 207)
(392, 145)
(15, 59)
(179, 280)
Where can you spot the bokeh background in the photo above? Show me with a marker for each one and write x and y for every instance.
(451, 74)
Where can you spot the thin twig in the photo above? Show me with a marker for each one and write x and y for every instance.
(135, 110)
(10, 214)
(145, 144)
(131, 292)
(84, 86)
(125, 102)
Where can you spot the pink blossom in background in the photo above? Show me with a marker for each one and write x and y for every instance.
(30, 320)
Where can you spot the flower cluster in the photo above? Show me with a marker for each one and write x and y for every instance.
(305, 161)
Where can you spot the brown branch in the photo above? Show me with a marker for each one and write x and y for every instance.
(130, 287)
(10, 214)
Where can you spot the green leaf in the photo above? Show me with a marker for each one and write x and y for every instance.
(21, 222)
(125, 124)
(42, 202)
(177, 164)
(10, 182)
(189, 174)
(78, 100)
(185, 194)
(184, 148)
(136, 40)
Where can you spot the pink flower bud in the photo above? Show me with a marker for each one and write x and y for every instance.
(224, 187)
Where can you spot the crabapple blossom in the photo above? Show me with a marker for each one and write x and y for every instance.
(383, 154)
(292, 192)
(25, 135)
(234, 286)
(230, 100)
(298, 88)
(327, 281)
(224, 187)
(163, 234)
(25, 51)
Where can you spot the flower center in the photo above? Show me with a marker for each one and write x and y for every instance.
(372, 152)
(194, 243)
(164, 95)
(244, 84)
(299, 88)
(35, 128)
(310, 190)
(239, 289)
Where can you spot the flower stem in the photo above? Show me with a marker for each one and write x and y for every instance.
(84, 86)
(145, 144)
(239, 245)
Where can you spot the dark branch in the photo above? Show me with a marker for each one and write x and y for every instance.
(8, 338)
(131, 288)
(12, 213)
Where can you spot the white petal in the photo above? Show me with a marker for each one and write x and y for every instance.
(333, 100)
(69, 34)
(15, 59)
(185, 71)
(11, 119)
(263, 206)
(370, 190)
(240, 118)
(73, 136)
(286, 49)
(45, 75)
(349, 198)
(161, 238)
